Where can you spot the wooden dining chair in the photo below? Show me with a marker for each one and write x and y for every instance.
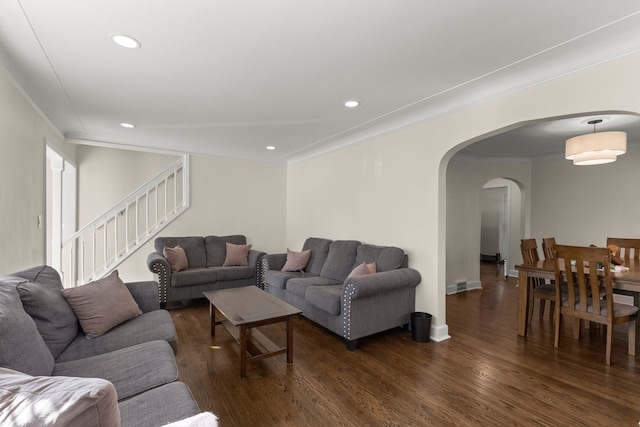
(629, 248)
(628, 251)
(547, 247)
(537, 287)
(580, 267)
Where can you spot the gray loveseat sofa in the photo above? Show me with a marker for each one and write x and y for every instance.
(126, 376)
(205, 272)
(352, 307)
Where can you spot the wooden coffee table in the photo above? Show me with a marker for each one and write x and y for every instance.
(248, 307)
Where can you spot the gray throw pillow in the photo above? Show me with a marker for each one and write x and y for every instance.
(22, 347)
(102, 305)
(54, 318)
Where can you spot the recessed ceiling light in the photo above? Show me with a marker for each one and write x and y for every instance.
(351, 104)
(127, 125)
(125, 41)
(270, 147)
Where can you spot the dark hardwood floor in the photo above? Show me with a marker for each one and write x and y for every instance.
(485, 375)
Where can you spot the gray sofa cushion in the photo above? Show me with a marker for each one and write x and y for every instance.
(158, 406)
(234, 272)
(193, 247)
(298, 285)
(21, 345)
(340, 260)
(155, 325)
(278, 279)
(146, 294)
(194, 276)
(131, 370)
(216, 248)
(319, 251)
(327, 298)
(43, 301)
(387, 258)
(56, 401)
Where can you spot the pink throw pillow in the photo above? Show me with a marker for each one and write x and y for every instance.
(102, 304)
(236, 255)
(177, 258)
(363, 269)
(296, 261)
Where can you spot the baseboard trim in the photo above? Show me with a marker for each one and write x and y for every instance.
(462, 286)
(440, 333)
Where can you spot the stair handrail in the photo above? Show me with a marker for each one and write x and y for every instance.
(177, 165)
(122, 206)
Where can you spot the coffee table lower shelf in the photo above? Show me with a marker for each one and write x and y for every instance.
(254, 345)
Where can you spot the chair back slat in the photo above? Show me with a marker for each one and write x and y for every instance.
(547, 247)
(585, 281)
(629, 248)
(529, 249)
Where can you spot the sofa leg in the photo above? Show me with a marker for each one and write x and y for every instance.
(352, 344)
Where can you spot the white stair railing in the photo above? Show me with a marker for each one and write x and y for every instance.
(100, 246)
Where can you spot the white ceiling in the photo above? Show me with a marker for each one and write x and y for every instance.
(229, 77)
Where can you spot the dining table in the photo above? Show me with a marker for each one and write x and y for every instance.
(623, 282)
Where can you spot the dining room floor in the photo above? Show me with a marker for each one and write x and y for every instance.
(485, 374)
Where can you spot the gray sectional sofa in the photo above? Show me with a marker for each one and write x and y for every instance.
(125, 376)
(206, 271)
(352, 307)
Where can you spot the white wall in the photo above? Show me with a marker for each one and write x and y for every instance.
(227, 197)
(106, 175)
(23, 130)
(583, 205)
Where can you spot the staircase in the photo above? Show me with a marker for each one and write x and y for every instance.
(100, 246)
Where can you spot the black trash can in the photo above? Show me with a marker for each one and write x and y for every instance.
(421, 326)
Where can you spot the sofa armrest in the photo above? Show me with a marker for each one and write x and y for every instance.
(161, 268)
(275, 261)
(378, 283)
(156, 262)
(145, 294)
(254, 258)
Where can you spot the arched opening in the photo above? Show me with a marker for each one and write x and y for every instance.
(537, 170)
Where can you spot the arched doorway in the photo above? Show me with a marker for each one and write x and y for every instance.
(501, 222)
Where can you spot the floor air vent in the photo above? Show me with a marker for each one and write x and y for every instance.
(462, 286)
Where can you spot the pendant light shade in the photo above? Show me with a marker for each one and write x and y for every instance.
(596, 148)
